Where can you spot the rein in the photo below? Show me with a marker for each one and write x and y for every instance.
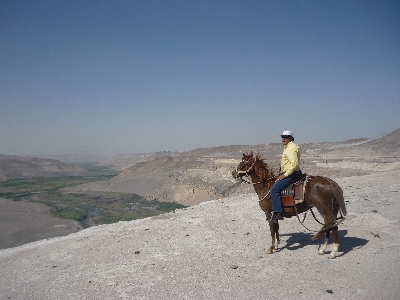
(246, 173)
(255, 183)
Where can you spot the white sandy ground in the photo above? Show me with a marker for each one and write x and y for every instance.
(216, 250)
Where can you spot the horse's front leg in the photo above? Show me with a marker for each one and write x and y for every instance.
(274, 229)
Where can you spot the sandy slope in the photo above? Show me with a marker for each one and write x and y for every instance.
(216, 250)
(24, 222)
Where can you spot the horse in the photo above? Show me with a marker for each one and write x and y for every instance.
(320, 192)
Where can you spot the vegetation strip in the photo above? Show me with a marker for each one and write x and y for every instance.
(89, 209)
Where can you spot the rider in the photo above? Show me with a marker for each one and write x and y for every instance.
(290, 169)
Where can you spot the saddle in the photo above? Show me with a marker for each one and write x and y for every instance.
(294, 193)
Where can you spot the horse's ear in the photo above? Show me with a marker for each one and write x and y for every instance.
(251, 154)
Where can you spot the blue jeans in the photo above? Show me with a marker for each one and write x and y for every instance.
(276, 189)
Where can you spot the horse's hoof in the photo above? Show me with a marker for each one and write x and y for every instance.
(269, 251)
(319, 253)
(331, 257)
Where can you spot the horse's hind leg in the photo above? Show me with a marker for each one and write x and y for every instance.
(325, 244)
(335, 233)
(329, 222)
(335, 249)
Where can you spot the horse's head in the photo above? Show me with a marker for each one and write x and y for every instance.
(245, 166)
(253, 166)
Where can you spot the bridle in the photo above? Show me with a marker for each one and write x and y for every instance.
(246, 173)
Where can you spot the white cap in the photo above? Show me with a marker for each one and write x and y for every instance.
(287, 132)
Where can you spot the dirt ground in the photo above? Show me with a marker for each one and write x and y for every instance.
(23, 222)
(216, 250)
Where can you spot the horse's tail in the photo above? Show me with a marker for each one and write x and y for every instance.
(338, 194)
(318, 235)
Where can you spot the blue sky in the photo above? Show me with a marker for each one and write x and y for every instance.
(113, 77)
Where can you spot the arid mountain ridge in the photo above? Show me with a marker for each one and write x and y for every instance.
(18, 167)
(205, 174)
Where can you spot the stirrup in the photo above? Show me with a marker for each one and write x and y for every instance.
(274, 217)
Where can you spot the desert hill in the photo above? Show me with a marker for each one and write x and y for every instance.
(384, 145)
(18, 167)
(188, 178)
(204, 174)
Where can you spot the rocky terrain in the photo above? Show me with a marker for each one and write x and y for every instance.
(216, 249)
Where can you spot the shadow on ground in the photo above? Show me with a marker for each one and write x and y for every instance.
(299, 240)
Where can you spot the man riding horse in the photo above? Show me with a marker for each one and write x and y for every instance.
(290, 169)
(320, 192)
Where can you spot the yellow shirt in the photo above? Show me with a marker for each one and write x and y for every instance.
(290, 161)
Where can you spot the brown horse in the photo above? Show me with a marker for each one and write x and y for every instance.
(320, 192)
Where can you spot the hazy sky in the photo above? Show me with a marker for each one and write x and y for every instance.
(112, 77)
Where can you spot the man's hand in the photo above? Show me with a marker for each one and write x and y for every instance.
(280, 177)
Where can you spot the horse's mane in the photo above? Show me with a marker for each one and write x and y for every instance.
(262, 169)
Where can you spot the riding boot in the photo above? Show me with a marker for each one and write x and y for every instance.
(277, 216)
(269, 217)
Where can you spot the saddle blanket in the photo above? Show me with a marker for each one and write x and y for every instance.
(294, 193)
